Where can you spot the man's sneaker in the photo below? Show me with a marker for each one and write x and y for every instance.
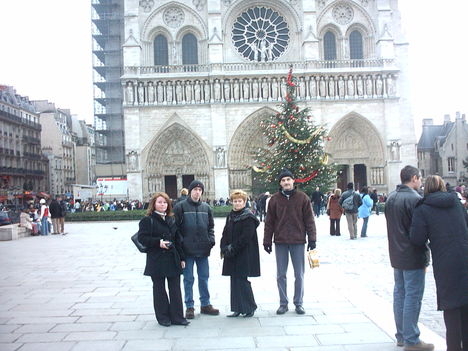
(190, 313)
(421, 346)
(208, 309)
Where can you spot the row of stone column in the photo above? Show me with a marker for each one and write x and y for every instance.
(174, 92)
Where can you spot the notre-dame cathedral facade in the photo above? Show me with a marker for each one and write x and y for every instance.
(200, 74)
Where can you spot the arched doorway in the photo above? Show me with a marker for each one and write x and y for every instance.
(245, 142)
(175, 158)
(357, 147)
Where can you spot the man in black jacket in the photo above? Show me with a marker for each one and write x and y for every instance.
(57, 214)
(409, 262)
(194, 220)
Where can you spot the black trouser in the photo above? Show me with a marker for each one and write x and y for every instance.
(335, 226)
(167, 310)
(456, 323)
(242, 298)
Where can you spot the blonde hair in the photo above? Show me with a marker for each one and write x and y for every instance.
(152, 204)
(184, 191)
(337, 192)
(236, 194)
(434, 183)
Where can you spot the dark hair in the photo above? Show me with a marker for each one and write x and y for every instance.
(407, 173)
(350, 185)
(152, 204)
(364, 190)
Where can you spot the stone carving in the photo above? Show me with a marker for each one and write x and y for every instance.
(188, 91)
(343, 13)
(169, 93)
(360, 87)
(365, 2)
(178, 92)
(331, 87)
(197, 91)
(198, 4)
(150, 93)
(141, 93)
(390, 87)
(207, 91)
(147, 5)
(394, 150)
(302, 88)
(323, 87)
(246, 89)
(283, 87)
(377, 175)
(313, 88)
(160, 92)
(369, 87)
(227, 2)
(227, 90)
(129, 94)
(217, 90)
(265, 89)
(174, 16)
(235, 90)
(350, 86)
(220, 157)
(379, 86)
(174, 53)
(255, 90)
(341, 87)
(322, 3)
(132, 161)
(274, 89)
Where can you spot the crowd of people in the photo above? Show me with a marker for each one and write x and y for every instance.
(179, 238)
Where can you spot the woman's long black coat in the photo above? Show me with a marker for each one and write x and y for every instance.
(440, 218)
(243, 258)
(161, 262)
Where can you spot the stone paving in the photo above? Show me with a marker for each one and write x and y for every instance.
(86, 291)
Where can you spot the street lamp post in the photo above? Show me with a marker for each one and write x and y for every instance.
(102, 189)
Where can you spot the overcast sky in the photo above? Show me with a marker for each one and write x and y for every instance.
(46, 54)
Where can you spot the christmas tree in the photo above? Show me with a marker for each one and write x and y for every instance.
(295, 142)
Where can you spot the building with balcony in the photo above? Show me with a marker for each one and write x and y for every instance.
(443, 148)
(200, 75)
(57, 146)
(107, 31)
(22, 166)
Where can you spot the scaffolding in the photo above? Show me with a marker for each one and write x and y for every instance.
(107, 32)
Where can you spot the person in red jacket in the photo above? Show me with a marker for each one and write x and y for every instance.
(289, 221)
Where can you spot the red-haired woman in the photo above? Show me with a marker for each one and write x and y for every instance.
(165, 259)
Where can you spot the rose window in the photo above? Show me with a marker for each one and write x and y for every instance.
(260, 34)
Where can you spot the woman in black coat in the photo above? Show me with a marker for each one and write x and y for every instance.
(440, 218)
(165, 259)
(239, 247)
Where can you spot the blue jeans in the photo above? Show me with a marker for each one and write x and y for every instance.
(364, 227)
(407, 296)
(317, 209)
(203, 272)
(44, 226)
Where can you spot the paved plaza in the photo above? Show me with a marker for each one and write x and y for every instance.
(86, 291)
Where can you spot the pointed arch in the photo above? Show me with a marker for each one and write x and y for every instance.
(354, 139)
(176, 150)
(246, 140)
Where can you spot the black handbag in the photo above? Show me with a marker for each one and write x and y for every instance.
(142, 248)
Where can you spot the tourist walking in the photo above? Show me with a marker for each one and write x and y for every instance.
(335, 211)
(317, 198)
(351, 209)
(289, 221)
(164, 261)
(239, 248)
(409, 262)
(194, 220)
(441, 219)
(365, 210)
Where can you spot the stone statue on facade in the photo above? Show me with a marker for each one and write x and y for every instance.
(341, 87)
(169, 93)
(255, 90)
(302, 88)
(312, 88)
(129, 95)
(151, 93)
(141, 93)
(274, 89)
(394, 150)
(379, 86)
(217, 90)
(160, 93)
(227, 90)
(246, 89)
(207, 91)
(235, 90)
(283, 87)
(390, 86)
(331, 87)
(323, 87)
(265, 89)
(360, 86)
(132, 161)
(369, 88)
(188, 91)
(350, 86)
(220, 157)
(197, 91)
(178, 92)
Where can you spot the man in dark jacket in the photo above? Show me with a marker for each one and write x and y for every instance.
(194, 220)
(317, 198)
(289, 221)
(409, 262)
(57, 214)
(351, 214)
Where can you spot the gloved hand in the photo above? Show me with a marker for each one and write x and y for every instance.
(228, 251)
(311, 245)
(267, 248)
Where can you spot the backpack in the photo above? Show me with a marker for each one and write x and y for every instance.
(348, 203)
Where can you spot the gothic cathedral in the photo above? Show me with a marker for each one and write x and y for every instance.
(200, 74)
